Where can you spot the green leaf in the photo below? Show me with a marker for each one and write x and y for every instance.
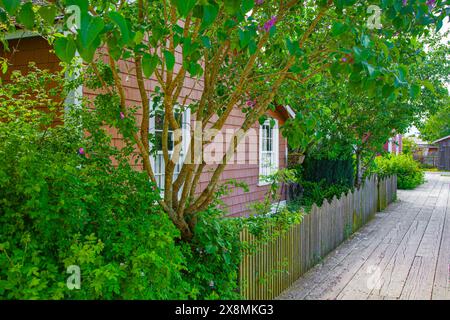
(169, 59)
(3, 15)
(403, 72)
(427, 84)
(252, 47)
(114, 50)
(370, 68)
(387, 90)
(123, 26)
(400, 78)
(149, 64)
(4, 66)
(232, 6)
(414, 91)
(48, 14)
(26, 15)
(90, 29)
(184, 6)
(188, 47)
(244, 38)
(195, 69)
(385, 49)
(197, 12)
(206, 41)
(439, 25)
(65, 49)
(247, 5)
(209, 15)
(138, 37)
(88, 52)
(338, 28)
(82, 4)
(262, 119)
(11, 6)
(210, 248)
(272, 122)
(293, 48)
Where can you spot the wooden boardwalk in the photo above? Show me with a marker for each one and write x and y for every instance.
(403, 253)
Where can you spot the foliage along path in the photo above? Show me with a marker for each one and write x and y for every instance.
(404, 253)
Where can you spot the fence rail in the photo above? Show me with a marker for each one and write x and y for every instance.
(272, 267)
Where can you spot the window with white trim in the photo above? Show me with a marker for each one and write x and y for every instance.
(156, 128)
(268, 150)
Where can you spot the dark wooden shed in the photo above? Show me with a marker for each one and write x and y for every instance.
(444, 153)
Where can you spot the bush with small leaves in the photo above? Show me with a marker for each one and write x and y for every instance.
(409, 174)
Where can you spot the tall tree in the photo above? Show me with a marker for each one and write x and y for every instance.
(358, 117)
(437, 125)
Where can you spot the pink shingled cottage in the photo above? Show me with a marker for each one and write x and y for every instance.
(268, 145)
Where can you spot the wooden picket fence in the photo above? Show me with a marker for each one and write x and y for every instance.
(272, 267)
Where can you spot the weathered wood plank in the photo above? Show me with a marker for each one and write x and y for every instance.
(441, 286)
(419, 284)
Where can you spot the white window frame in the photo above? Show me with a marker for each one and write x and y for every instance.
(275, 152)
(186, 138)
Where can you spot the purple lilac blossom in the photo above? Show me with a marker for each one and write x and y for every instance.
(270, 23)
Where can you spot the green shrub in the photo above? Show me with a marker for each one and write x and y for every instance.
(214, 255)
(317, 192)
(61, 205)
(409, 174)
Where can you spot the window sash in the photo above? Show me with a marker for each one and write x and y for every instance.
(268, 150)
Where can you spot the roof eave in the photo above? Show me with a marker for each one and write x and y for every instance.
(441, 139)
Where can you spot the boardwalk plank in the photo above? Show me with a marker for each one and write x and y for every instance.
(441, 286)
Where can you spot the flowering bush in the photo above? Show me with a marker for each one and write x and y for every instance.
(64, 203)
